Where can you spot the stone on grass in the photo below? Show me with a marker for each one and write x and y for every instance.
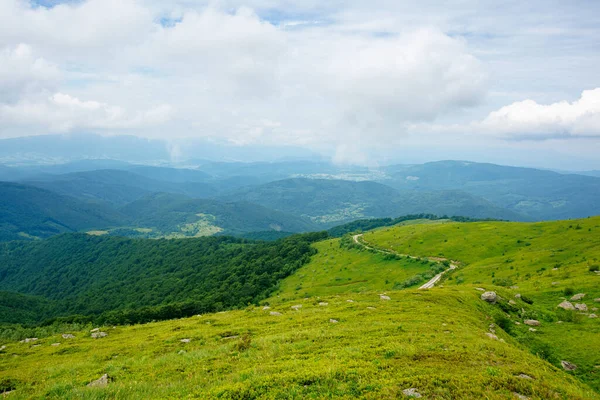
(518, 296)
(68, 336)
(323, 304)
(266, 308)
(512, 302)
(98, 335)
(593, 316)
(532, 322)
(275, 313)
(581, 307)
(532, 330)
(520, 396)
(333, 321)
(412, 392)
(384, 297)
(568, 366)
(480, 289)
(55, 344)
(491, 336)
(350, 301)
(524, 376)
(99, 383)
(186, 340)
(578, 297)
(490, 297)
(296, 307)
(566, 305)
(95, 330)
(370, 308)
(29, 340)
(597, 300)
(2, 348)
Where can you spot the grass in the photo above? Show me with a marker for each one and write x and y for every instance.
(432, 340)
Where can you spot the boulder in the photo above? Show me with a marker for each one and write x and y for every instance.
(95, 330)
(491, 336)
(102, 382)
(68, 336)
(490, 297)
(55, 344)
(512, 302)
(370, 308)
(578, 297)
(350, 301)
(568, 366)
(29, 340)
(296, 307)
(518, 296)
(275, 313)
(532, 322)
(566, 305)
(520, 396)
(532, 330)
(581, 307)
(333, 321)
(384, 297)
(480, 289)
(597, 300)
(266, 308)
(98, 335)
(412, 392)
(593, 316)
(524, 376)
(323, 304)
(186, 340)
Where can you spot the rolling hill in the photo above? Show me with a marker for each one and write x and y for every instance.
(329, 202)
(538, 194)
(31, 212)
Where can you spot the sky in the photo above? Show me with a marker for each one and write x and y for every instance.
(368, 83)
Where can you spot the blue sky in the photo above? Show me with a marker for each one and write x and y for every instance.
(363, 82)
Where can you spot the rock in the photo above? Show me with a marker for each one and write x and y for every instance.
(491, 336)
(296, 307)
(68, 336)
(55, 344)
(514, 287)
(323, 304)
(520, 396)
(593, 316)
(512, 302)
(581, 307)
(518, 296)
(275, 313)
(187, 340)
(594, 308)
(370, 308)
(181, 352)
(532, 322)
(578, 297)
(517, 323)
(98, 335)
(597, 300)
(266, 308)
(99, 383)
(568, 366)
(350, 301)
(532, 330)
(490, 297)
(95, 330)
(523, 376)
(554, 269)
(384, 297)
(559, 322)
(566, 305)
(333, 321)
(28, 340)
(554, 283)
(412, 392)
(2, 348)
(480, 289)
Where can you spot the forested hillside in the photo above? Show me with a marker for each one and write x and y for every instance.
(129, 280)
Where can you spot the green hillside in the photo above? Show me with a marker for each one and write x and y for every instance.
(28, 212)
(327, 331)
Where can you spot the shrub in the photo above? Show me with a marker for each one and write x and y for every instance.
(594, 268)
(569, 291)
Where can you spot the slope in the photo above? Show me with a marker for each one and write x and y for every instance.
(30, 212)
(545, 263)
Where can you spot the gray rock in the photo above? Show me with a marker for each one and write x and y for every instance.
(323, 304)
(29, 340)
(95, 330)
(266, 308)
(532, 322)
(98, 335)
(581, 307)
(518, 296)
(296, 307)
(68, 336)
(100, 383)
(566, 305)
(597, 300)
(384, 297)
(480, 289)
(512, 302)
(520, 396)
(186, 340)
(490, 297)
(2, 348)
(593, 316)
(275, 313)
(350, 301)
(55, 344)
(568, 366)
(491, 336)
(412, 392)
(532, 330)
(523, 376)
(333, 321)
(578, 297)
(370, 308)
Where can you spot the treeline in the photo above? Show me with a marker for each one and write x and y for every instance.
(114, 280)
(363, 225)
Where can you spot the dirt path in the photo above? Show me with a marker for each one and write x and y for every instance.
(429, 284)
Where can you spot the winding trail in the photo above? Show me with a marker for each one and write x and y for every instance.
(429, 284)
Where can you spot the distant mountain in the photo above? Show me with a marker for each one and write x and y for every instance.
(535, 193)
(120, 187)
(31, 212)
(171, 213)
(330, 202)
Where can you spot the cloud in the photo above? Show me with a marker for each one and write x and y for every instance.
(529, 120)
(64, 113)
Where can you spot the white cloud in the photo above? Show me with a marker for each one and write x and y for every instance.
(529, 120)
